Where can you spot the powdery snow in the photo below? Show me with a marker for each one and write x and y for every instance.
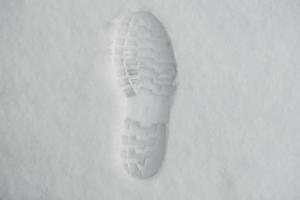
(234, 127)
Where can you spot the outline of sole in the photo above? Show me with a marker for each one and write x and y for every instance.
(146, 70)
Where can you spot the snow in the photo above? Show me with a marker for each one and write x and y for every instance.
(235, 121)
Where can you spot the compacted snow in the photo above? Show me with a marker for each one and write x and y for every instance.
(235, 121)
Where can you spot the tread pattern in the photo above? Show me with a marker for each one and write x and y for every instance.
(143, 56)
(139, 145)
(145, 64)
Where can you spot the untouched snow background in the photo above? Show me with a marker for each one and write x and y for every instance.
(235, 122)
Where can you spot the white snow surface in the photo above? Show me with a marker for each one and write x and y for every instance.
(235, 121)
